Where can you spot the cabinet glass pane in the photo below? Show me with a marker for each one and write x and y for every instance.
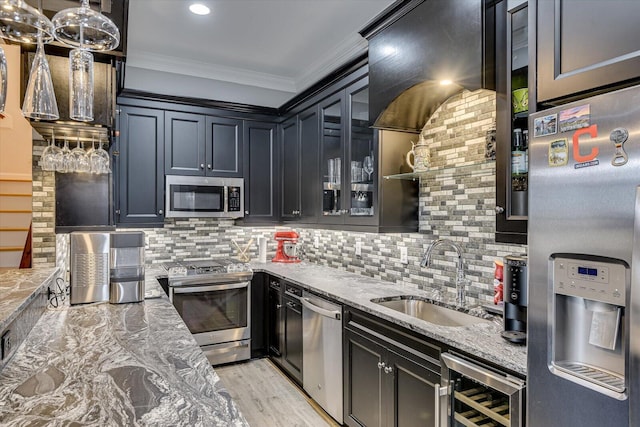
(518, 193)
(362, 170)
(331, 158)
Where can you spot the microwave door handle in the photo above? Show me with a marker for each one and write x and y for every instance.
(225, 201)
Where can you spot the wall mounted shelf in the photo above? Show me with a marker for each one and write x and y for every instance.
(484, 168)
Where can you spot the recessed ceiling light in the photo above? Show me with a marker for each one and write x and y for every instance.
(445, 82)
(199, 9)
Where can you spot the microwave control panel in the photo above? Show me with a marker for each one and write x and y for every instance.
(591, 278)
(234, 199)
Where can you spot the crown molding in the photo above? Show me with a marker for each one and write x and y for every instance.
(349, 49)
(169, 64)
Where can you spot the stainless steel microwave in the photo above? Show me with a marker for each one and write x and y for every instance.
(200, 196)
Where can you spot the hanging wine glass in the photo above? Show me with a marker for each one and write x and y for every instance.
(80, 159)
(50, 155)
(40, 98)
(58, 157)
(67, 164)
(105, 167)
(94, 158)
(81, 85)
(22, 23)
(82, 27)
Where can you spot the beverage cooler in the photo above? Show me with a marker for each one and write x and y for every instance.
(473, 394)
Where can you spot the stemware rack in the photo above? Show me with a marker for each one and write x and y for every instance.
(72, 132)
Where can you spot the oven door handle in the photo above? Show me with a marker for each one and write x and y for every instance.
(209, 288)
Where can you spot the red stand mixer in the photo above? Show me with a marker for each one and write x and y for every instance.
(287, 246)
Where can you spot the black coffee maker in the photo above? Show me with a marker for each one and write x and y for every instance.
(515, 299)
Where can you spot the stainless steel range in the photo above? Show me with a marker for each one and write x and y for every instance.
(213, 299)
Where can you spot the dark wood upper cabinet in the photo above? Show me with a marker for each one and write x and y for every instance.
(260, 176)
(585, 46)
(185, 148)
(203, 145)
(514, 72)
(309, 129)
(290, 185)
(139, 167)
(224, 147)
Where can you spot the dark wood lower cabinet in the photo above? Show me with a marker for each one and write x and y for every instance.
(386, 383)
(274, 321)
(364, 382)
(259, 291)
(293, 337)
(415, 392)
(285, 327)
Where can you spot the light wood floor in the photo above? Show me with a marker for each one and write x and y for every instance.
(267, 398)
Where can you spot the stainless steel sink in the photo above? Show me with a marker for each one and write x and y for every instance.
(427, 311)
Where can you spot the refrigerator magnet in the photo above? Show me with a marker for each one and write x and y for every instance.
(574, 118)
(545, 125)
(558, 152)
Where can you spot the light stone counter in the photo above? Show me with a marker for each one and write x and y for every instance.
(482, 340)
(114, 365)
(19, 287)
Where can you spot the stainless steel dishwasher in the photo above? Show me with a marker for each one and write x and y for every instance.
(322, 353)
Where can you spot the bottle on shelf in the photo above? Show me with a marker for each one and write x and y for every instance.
(519, 162)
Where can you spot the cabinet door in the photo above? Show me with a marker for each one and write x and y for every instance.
(332, 131)
(584, 45)
(260, 176)
(259, 304)
(140, 167)
(275, 326)
(184, 149)
(364, 381)
(290, 170)
(309, 127)
(415, 393)
(361, 170)
(224, 147)
(293, 337)
(513, 78)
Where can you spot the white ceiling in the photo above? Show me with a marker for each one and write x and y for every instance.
(281, 45)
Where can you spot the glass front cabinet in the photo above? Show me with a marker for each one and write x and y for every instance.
(513, 108)
(348, 158)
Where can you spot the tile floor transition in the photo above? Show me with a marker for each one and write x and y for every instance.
(267, 398)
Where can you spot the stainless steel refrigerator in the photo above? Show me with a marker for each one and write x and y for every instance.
(584, 263)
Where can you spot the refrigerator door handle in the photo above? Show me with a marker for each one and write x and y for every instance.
(634, 321)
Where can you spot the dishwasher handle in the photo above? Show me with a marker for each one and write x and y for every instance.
(334, 314)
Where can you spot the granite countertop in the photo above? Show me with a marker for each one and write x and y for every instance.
(482, 340)
(113, 365)
(18, 287)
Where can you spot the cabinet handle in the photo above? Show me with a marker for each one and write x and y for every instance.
(246, 212)
(439, 391)
(160, 212)
(278, 306)
(388, 369)
(201, 165)
(381, 365)
(499, 209)
(209, 166)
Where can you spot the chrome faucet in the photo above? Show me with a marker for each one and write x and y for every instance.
(460, 282)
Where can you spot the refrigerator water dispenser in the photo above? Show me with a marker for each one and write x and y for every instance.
(587, 317)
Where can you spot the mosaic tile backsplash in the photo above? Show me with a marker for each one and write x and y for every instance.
(456, 204)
